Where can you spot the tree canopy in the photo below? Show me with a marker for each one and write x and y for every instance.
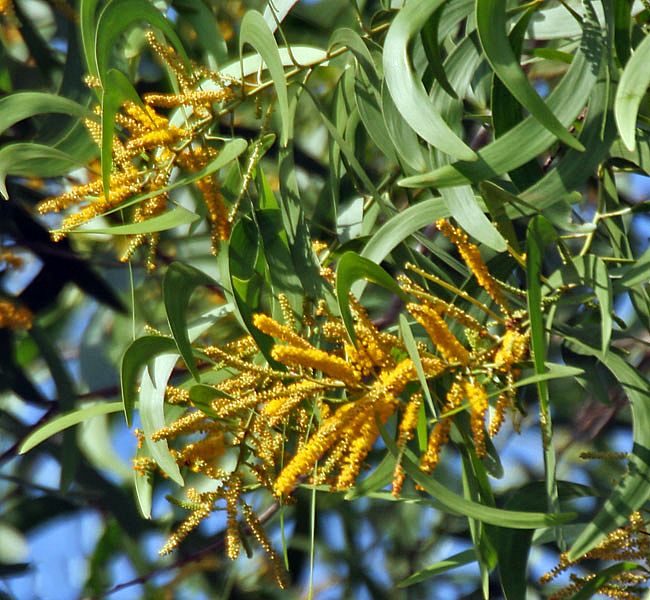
(324, 299)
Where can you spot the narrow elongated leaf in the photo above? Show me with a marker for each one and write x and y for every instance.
(152, 412)
(633, 490)
(453, 562)
(136, 356)
(407, 90)
(491, 25)
(631, 89)
(16, 107)
(69, 419)
(458, 505)
(255, 31)
(506, 153)
(351, 268)
(276, 11)
(540, 234)
(168, 220)
(116, 18)
(29, 159)
(178, 285)
(463, 206)
(116, 90)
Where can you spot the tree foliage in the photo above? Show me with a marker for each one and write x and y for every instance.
(372, 268)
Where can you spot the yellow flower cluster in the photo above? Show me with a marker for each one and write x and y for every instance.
(147, 149)
(13, 316)
(630, 543)
(311, 410)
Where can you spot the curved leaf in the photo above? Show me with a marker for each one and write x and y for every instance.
(631, 89)
(407, 90)
(23, 105)
(491, 25)
(633, 490)
(255, 31)
(351, 268)
(136, 356)
(179, 283)
(62, 422)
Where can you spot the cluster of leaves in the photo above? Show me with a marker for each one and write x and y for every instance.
(303, 166)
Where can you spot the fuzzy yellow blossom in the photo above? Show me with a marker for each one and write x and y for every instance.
(478, 405)
(285, 398)
(472, 257)
(404, 436)
(448, 345)
(14, 317)
(440, 433)
(313, 358)
(281, 332)
(513, 349)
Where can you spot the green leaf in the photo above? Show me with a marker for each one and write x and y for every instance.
(463, 206)
(380, 477)
(87, 13)
(496, 200)
(457, 505)
(136, 356)
(453, 562)
(168, 220)
(631, 89)
(633, 490)
(507, 153)
(414, 355)
(540, 233)
(117, 17)
(22, 105)
(254, 31)
(407, 90)
(350, 269)
(152, 411)
(29, 159)
(594, 273)
(179, 284)
(64, 421)
(491, 25)
(637, 273)
(276, 11)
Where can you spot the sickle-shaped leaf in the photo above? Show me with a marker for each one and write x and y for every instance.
(178, 285)
(407, 90)
(62, 422)
(631, 89)
(351, 268)
(23, 105)
(457, 505)
(507, 153)
(491, 25)
(136, 356)
(255, 31)
(633, 490)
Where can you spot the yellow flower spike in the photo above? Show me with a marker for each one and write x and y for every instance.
(220, 226)
(14, 317)
(204, 508)
(279, 406)
(193, 422)
(440, 433)
(503, 402)
(513, 349)
(271, 327)
(448, 345)
(221, 356)
(232, 495)
(478, 404)
(206, 449)
(364, 436)
(312, 358)
(153, 139)
(472, 257)
(259, 534)
(303, 462)
(405, 435)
